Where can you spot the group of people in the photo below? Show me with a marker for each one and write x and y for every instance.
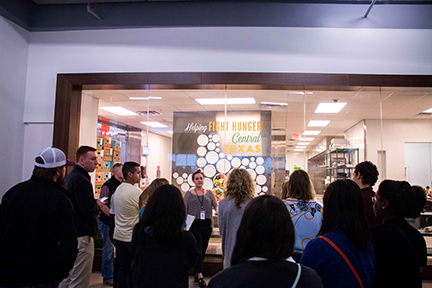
(356, 238)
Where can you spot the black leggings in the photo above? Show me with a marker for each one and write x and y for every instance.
(202, 230)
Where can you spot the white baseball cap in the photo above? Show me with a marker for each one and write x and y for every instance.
(52, 158)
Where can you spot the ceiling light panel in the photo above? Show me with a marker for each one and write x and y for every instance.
(275, 103)
(306, 139)
(318, 123)
(428, 111)
(145, 98)
(154, 124)
(222, 101)
(329, 107)
(298, 150)
(303, 143)
(118, 110)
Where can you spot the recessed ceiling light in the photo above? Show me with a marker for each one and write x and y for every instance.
(318, 123)
(145, 98)
(275, 103)
(308, 139)
(298, 150)
(118, 110)
(300, 92)
(311, 132)
(303, 143)
(329, 107)
(154, 124)
(428, 111)
(170, 132)
(222, 101)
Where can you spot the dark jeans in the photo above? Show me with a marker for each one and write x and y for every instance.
(124, 252)
(202, 230)
(49, 284)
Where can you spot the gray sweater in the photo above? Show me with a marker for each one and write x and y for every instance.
(229, 222)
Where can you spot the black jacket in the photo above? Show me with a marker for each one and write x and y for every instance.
(112, 185)
(86, 209)
(37, 234)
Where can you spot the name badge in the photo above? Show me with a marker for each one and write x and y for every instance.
(202, 215)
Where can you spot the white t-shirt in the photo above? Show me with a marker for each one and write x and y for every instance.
(126, 198)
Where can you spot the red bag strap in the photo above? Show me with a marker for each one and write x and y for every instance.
(344, 257)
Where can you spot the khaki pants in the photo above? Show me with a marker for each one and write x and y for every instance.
(80, 274)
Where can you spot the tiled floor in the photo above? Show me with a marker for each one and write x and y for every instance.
(96, 281)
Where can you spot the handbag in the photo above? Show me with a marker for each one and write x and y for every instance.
(344, 257)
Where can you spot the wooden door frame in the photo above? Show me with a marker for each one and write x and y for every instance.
(69, 88)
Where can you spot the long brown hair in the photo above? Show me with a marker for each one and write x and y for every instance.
(299, 186)
(240, 186)
(145, 195)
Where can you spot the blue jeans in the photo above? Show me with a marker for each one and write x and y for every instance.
(124, 252)
(107, 253)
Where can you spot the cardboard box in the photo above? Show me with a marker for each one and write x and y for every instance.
(107, 158)
(100, 153)
(107, 152)
(107, 175)
(115, 144)
(99, 177)
(99, 142)
(100, 165)
(106, 143)
(116, 155)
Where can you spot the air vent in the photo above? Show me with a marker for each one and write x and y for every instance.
(151, 112)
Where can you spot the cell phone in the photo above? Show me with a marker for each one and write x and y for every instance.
(103, 199)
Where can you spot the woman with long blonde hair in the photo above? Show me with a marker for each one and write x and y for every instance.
(239, 191)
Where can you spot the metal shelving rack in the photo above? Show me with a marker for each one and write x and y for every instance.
(340, 163)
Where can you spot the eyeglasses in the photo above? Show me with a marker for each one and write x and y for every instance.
(374, 198)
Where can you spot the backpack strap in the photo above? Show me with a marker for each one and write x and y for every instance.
(297, 277)
(344, 257)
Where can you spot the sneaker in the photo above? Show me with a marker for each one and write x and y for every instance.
(109, 283)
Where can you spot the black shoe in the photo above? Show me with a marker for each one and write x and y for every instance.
(196, 278)
(202, 283)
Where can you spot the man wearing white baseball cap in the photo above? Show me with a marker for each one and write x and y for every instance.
(38, 238)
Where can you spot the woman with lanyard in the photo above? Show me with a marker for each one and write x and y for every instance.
(199, 203)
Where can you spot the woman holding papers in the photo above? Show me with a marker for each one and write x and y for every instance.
(239, 191)
(162, 251)
(199, 203)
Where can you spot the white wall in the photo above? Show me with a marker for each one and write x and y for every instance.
(395, 134)
(219, 49)
(160, 154)
(14, 43)
(296, 158)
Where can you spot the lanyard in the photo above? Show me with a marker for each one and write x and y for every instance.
(201, 202)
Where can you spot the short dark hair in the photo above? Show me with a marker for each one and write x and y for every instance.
(368, 171)
(344, 209)
(129, 167)
(164, 214)
(82, 150)
(198, 171)
(406, 201)
(45, 173)
(266, 230)
(299, 186)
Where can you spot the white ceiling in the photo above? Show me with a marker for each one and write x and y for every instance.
(362, 103)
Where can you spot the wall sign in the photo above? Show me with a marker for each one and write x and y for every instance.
(217, 143)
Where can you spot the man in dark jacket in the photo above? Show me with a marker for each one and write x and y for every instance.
(86, 209)
(38, 243)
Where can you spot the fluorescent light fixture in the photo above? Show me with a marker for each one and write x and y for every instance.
(145, 98)
(300, 147)
(222, 101)
(428, 111)
(170, 132)
(275, 103)
(329, 107)
(118, 110)
(318, 123)
(300, 92)
(298, 150)
(154, 124)
(303, 143)
(311, 132)
(307, 139)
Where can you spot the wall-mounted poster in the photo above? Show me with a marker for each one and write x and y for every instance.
(216, 144)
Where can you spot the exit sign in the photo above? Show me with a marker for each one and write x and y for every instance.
(296, 136)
